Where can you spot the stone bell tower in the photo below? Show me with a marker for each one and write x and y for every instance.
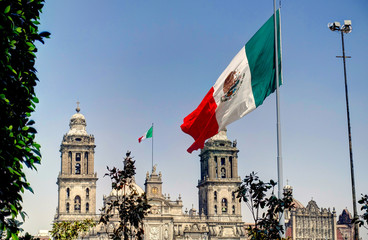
(77, 179)
(219, 179)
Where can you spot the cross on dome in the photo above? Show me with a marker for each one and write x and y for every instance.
(78, 108)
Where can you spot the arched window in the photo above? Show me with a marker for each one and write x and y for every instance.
(215, 196)
(87, 193)
(231, 166)
(224, 205)
(215, 209)
(70, 162)
(233, 197)
(222, 161)
(223, 173)
(67, 192)
(216, 167)
(67, 207)
(77, 168)
(233, 209)
(86, 160)
(77, 204)
(87, 207)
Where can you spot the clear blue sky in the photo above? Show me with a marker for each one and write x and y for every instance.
(132, 63)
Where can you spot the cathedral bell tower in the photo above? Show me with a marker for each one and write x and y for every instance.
(219, 179)
(77, 179)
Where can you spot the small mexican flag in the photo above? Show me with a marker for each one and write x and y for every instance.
(148, 134)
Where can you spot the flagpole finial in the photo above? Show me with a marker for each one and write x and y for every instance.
(78, 108)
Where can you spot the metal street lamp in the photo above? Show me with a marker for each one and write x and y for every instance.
(346, 28)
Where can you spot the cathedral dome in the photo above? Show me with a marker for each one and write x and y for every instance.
(77, 124)
(128, 190)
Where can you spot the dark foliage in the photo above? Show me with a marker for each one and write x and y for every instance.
(129, 204)
(28, 236)
(364, 217)
(71, 230)
(266, 211)
(18, 34)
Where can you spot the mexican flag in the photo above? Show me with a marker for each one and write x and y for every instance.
(241, 88)
(148, 134)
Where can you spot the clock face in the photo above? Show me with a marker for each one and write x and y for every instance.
(154, 190)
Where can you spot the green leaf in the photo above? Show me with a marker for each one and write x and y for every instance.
(14, 236)
(25, 128)
(35, 100)
(28, 187)
(7, 9)
(18, 29)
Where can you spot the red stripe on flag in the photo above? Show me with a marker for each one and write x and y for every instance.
(201, 124)
(140, 139)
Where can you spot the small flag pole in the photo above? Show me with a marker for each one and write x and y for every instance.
(279, 153)
(152, 145)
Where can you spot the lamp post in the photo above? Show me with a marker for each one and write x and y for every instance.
(344, 29)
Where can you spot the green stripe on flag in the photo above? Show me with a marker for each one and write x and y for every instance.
(260, 51)
(149, 133)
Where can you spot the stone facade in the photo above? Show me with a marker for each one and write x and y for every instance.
(77, 179)
(311, 222)
(219, 216)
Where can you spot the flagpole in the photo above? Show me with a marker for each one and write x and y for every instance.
(279, 153)
(152, 146)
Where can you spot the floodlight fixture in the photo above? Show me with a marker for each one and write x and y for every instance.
(335, 26)
(346, 28)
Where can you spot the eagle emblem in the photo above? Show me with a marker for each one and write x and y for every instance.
(231, 85)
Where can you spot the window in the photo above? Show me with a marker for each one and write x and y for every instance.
(231, 166)
(87, 193)
(67, 192)
(222, 161)
(233, 209)
(216, 172)
(233, 197)
(86, 160)
(77, 168)
(67, 207)
(223, 173)
(215, 209)
(224, 205)
(77, 157)
(87, 207)
(215, 196)
(77, 204)
(70, 162)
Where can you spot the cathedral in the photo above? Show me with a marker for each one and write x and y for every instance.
(219, 214)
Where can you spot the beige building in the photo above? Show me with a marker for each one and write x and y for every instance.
(219, 215)
(77, 179)
(310, 222)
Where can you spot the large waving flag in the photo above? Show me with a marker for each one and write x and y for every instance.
(241, 88)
